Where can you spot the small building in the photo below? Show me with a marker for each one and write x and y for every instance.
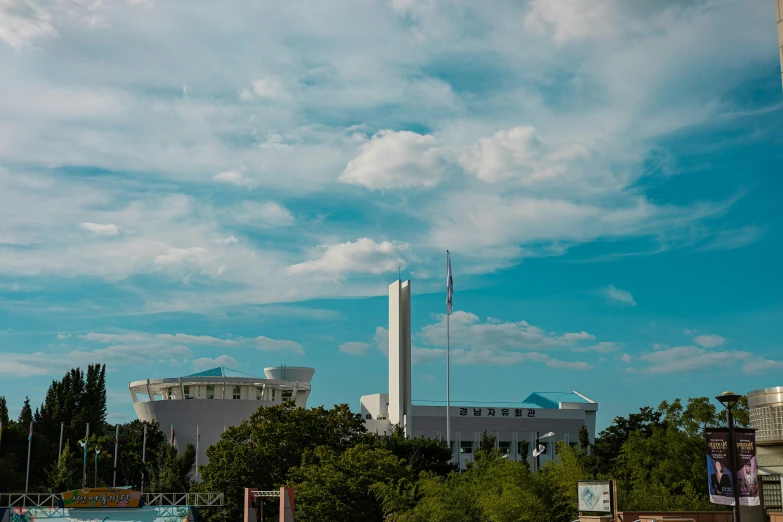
(513, 424)
(215, 399)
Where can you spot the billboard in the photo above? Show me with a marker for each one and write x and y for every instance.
(595, 496)
(101, 498)
(723, 478)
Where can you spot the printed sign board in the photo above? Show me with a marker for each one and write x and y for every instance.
(595, 496)
(101, 498)
(144, 514)
(723, 478)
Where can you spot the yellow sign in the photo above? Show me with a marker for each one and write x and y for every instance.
(101, 498)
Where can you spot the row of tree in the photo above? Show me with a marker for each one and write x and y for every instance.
(343, 473)
(73, 402)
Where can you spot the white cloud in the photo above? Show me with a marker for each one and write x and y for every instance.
(381, 340)
(205, 363)
(689, 358)
(518, 154)
(233, 177)
(709, 341)
(354, 348)
(467, 330)
(263, 214)
(22, 22)
(395, 160)
(361, 256)
(269, 88)
(602, 347)
(102, 229)
(619, 295)
(626, 358)
(268, 344)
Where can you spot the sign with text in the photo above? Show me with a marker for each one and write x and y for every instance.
(595, 496)
(497, 412)
(723, 478)
(101, 498)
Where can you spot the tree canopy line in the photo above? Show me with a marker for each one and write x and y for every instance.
(343, 473)
(77, 399)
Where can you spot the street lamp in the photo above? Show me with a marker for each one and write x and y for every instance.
(539, 449)
(729, 401)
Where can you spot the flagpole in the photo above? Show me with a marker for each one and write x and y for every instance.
(84, 465)
(448, 353)
(143, 455)
(198, 438)
(29, 445)
(116, 449)
(1, 436)
(60, 450)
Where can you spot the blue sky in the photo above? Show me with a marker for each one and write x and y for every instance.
(190, 185)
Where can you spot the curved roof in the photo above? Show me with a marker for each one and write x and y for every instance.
(553, 399)
(221, 371)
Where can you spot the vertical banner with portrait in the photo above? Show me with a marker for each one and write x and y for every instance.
(747, 474)
(720, 476)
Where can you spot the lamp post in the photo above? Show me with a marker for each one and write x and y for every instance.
(538, 450)
(729, 401)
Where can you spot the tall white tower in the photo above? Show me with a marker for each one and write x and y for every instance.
(400, 411)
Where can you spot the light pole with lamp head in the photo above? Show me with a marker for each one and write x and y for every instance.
(539, 449)
(729, 401)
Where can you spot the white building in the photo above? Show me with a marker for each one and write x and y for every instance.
(214, 400)
(766, 417)
(563, 413)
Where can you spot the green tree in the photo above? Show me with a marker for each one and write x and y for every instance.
(62, 476)
(171, 470)
(4, 412)
(584, 438)
(26, 415)
(261, 451)
(420, 454)
(345, 487)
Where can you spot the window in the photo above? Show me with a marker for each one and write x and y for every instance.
(259, 394)
(546, 447)
(169, 396)
(368, 416)
(466, 447)
(210, 391)
(287, 394)
(505, 447)
(274, 394)
(236, 393)
(186, 391)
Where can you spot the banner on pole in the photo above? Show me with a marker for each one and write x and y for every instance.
(723, 478)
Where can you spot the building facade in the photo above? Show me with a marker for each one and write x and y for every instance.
(779, 9)
(766, 417)
(513, 424)
(214, 400)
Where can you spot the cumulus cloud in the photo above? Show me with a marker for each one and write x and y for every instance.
(396, 160)
(269, 88)
(362, 256)
(467, 330)
(205, 363)
(518, 154)
(619, 295)
(354, 348)
(709, 340)
(233, 177)
(262, 214)
(101, 229)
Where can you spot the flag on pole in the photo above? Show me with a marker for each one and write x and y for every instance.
(449, 283)
(30, 435)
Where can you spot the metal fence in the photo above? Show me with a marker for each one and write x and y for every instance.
(150, 499)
